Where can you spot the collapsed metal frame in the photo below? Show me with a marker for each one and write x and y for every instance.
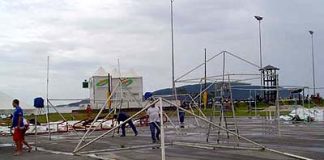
(79, 147)
(77, 150)
(218, 77)
(215, 79)
(49, 104)
(224, 53)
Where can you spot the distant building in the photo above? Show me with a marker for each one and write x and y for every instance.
(240, 91)
(102, 84)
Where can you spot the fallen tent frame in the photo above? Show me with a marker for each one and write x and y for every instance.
(78, 149)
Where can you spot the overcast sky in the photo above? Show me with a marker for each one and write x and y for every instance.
(82, 35)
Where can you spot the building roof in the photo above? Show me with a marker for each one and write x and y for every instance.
(100, 72)
(269, 67)
(115, 73)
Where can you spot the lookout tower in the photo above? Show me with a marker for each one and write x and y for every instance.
(270, 81)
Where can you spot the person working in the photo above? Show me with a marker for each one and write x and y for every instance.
(154, 122)
(26, 127)
(88, 110)
(123, 117)
(182, 114)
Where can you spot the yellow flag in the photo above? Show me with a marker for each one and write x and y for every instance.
(205, 98)
(109, 100)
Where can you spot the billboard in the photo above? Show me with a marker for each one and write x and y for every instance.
(128, 89)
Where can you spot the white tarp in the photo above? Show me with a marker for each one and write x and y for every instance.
(60, 126)
(315, 113)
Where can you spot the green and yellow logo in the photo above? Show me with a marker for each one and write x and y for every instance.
(126, 82)
(102, 83)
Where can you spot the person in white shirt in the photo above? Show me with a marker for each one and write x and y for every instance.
(26, 127)
(154, 122)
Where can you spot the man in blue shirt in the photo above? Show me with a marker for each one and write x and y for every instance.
(123, 117)
(18, 126)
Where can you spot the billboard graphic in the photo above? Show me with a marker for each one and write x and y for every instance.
(126, 82)
(102, 83)
(130, 87)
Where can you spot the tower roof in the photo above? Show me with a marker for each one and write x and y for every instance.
(269, 67)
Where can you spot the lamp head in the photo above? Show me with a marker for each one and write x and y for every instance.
(259, 18)
(311, 32)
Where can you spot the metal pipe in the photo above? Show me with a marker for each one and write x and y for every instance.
(242, 59)
(121, 149)
(100, 123)
(213, 147)
(47, 113)
(288, 154)
(162, 130)
(313, 65)
(172, 44)
(172, 47)
(103, 106)
(173, 125)
(61, 99)
(213, 77)
(278, 105)
(303, 102)
(260, 43)
(233, 109)
(195, 117)
(198, 66)
(202, 91)
(255, 104)
(205, 68)
(37, 111)
(61, 116)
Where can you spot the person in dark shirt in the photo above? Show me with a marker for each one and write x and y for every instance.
(182, 114)
(123, 117)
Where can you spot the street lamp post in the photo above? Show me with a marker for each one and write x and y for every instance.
(172, 48)
(174, 90)
(311, 33)
(259, 18)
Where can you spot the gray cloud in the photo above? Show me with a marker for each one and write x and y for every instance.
(79, 36)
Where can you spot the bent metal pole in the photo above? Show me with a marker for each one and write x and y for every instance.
(103, 106)
(214, 124)
(162, 130)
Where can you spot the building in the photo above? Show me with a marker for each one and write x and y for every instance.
(128, 89)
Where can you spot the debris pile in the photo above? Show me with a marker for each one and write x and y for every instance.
(305, 114)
